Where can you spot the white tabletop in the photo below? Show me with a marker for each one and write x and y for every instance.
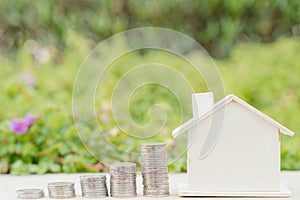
(10, 183)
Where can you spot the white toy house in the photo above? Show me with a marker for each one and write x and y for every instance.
(233, 150)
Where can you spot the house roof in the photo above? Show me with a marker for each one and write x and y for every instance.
(220, 104)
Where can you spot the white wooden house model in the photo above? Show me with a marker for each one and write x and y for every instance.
(233, 150)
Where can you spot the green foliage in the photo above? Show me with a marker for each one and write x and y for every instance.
(265, 75)
(52, 143)
(216, 24)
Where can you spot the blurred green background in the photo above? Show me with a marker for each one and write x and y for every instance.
(255, 45)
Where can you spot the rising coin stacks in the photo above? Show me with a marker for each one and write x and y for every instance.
(123, 179)
(155, 169)
(30, 193)
(61, 190)
(93, 186)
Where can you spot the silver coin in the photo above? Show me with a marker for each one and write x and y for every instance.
(123, 179)
(123, 195)
(146, 165)
(154, 183)
(151, 194)
(61, 184)
(62, 196)
(32, 193)
(95, 195)
(147, 178)
(149, 171)
(154, 169)
(85, 189)
(122, 166)
(159, 163)
(155, 176)
(61, 193)
(158, 172)
(93, 186)
(93, 183)
(119, 175)
(123, 185)
(93, 189)
(156, 191)
(122, 189)
(123, 192)
(156, 187)
(61, 190)
(92, 177)
(102, 185)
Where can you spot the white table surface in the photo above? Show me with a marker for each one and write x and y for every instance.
(10, 183)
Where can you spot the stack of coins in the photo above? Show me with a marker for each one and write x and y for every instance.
(30, 193)
(155, 169)
(93, 186)
(123, 179)
(61, 190)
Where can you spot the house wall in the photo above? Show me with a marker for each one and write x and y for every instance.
(245, 158)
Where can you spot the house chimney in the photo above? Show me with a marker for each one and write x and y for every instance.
(202, 102)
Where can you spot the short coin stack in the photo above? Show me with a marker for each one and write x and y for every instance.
(93, 186)
(30, 193)
(123, 179)
(61, 190)
(155, 169)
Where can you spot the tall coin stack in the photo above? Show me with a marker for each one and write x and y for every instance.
(93, 186)
(61, 190)
(155, 169)
(123, 179)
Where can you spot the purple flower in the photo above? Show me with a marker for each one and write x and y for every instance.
(20, 126)
(29, 119)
